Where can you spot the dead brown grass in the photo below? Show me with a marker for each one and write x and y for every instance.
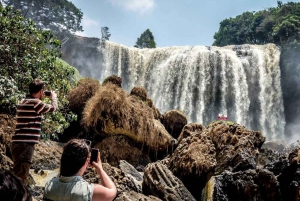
(190, 130)
(77, 97)
(112, 111)
(139, 92)
(114, 80)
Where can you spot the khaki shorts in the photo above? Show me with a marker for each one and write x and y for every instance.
(22, 154)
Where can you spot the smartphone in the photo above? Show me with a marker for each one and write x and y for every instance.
(94, 155)
(47, 93)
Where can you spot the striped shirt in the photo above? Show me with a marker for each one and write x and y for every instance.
(29, 118)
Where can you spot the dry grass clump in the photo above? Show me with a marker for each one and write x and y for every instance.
(139, 92)
(195, 155)
(190, 130)
(77, 97)
(174, 121)
(112, 111)
(114, 80)
(194, 161)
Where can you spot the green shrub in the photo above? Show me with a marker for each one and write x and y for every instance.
(27, 53)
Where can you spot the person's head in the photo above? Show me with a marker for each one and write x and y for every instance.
(11, 188)
(36, 87)
(74, 157)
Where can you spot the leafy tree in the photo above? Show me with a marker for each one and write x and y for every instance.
(146, 40)
(56, 15)
(279, 25)
(105, 33)
(27, 53)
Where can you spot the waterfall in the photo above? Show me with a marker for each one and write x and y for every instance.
(241, 81)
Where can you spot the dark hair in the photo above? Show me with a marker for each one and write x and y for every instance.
(36, 85)
(12, 189)
(74, 155)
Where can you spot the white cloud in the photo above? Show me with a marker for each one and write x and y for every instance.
(135, 5)
(87, 24)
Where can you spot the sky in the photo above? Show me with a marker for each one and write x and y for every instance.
(172, 22)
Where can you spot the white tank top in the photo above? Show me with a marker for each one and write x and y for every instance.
(73, 188)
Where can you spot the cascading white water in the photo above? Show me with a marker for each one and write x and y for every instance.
(241, 81)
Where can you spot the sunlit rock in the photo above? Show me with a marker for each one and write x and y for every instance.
(194, 161)
(115, 148)
(160, 182)
(236, 147)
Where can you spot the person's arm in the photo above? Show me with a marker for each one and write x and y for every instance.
(108, 190)
(42, 107)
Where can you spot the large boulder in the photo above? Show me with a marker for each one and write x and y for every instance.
(115, 148)
(236, 147)
(140, 93)
(174, 121)
(125, 181)
(112, 111)
(246, 185)
(194, 161)
(160, 182)
(77, 97)
(190, 130)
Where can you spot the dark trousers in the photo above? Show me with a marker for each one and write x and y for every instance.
(22, 154)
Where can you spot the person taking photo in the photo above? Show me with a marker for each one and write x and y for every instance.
(28, 127)
(70, 186)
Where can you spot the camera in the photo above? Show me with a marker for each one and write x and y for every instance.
(47, 93)
(94, 155)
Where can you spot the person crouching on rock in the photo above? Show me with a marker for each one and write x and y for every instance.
(28, 127)
(70, 185)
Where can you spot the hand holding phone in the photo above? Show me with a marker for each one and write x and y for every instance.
(94, 155)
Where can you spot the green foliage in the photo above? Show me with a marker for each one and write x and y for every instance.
(57, 15)
(146, 40)
(280, 25)
(27, 53)
(9, 94)
(105, 33)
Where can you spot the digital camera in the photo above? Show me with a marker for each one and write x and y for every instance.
(47, 93)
